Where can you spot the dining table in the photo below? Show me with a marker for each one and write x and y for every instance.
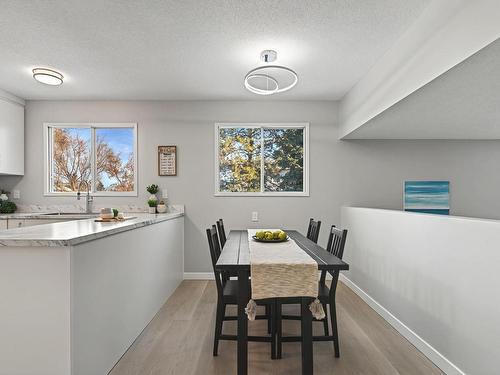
(235, 258)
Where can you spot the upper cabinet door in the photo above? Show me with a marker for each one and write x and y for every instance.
(11, 138)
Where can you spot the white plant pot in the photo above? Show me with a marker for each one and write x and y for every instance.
(152, 210)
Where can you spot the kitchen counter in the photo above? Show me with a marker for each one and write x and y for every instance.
(77, 293)
(73, 232)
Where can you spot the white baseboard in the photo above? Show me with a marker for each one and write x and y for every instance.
(199, 276)
(437, 358)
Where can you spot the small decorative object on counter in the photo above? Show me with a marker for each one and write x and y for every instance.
(152, 205)
(115, 212)
(153, 190)
(162, 207)
(107, 213)
(120, 216)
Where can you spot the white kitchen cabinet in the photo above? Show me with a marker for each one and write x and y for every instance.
(11, 136)
(3, 224)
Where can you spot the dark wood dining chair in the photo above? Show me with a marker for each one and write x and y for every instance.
(326, 295)
(227, 275)
(227, 294)
(222, 241)
(313, 230)
(222, 232)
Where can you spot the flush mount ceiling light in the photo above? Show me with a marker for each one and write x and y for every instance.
(270, 79)
(48, 76)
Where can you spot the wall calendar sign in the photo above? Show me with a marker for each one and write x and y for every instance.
(167, 160)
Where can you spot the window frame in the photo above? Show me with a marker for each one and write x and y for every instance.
(262, 125)
(47, 141)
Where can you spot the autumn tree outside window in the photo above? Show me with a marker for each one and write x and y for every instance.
(104, 156)
(262, 159)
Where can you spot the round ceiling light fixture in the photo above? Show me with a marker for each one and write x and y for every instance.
(270, 79)
(48, 76)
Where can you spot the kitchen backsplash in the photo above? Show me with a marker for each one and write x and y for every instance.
(78, 208)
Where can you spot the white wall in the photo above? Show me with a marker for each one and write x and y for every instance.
(368, 173)
(375, 170)
(437, 275)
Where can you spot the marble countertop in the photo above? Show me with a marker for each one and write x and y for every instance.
(51, 215)
(74, 232)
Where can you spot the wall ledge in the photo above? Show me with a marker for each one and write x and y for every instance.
(426, 215)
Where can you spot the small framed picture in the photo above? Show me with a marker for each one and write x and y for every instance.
(431, 197)
(167, 160)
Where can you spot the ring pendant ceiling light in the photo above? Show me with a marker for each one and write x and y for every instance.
(270, 79)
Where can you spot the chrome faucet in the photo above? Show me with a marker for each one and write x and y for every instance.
(90, 199)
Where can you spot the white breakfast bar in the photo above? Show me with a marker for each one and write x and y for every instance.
(74, 295)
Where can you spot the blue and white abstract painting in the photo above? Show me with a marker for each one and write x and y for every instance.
(432, 197)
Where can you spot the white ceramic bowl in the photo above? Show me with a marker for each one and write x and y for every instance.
(161, 208)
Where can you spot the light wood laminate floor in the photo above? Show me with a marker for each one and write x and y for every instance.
(179, 341)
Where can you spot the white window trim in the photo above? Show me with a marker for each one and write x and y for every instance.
(48, 156)
(290, 125)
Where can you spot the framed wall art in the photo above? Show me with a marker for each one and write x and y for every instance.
(167, 160)
(432, 197)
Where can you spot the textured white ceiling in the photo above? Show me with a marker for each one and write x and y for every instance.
(463, 103)
(192, 50)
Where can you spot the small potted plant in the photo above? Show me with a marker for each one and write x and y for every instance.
(152, 189)
(162, 207)
(3, 195)
(152, 205)
(7, 207)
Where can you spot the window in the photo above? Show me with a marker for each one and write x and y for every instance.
(262, 159)
(104, 156)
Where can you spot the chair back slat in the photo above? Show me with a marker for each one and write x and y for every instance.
(313, 230)
(339, 237)
(309, 227)
(222, 233)
(213, 244)
(336, 241)
(335, 246)
(330, 240)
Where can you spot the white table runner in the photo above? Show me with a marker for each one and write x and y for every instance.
(281, 269)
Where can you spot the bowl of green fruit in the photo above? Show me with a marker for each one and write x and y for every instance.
(269, 236)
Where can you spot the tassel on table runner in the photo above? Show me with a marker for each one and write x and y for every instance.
(251, 309)
(317, 309)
